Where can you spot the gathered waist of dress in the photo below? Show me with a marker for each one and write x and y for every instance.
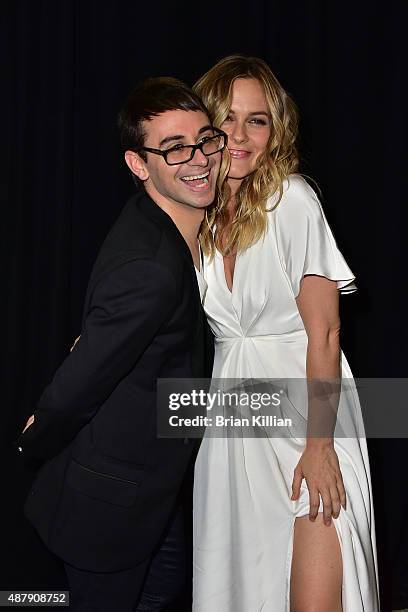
(299, 334)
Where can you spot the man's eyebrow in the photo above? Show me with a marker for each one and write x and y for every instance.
(178, 137)
(170, 139)
(206, 128)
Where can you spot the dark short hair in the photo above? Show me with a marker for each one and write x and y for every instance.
(151, 98)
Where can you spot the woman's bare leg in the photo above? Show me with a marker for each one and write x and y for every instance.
(317, 568)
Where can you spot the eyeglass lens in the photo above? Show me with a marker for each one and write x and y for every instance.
(184, 154)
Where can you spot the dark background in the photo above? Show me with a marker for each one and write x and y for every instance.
(67, 67)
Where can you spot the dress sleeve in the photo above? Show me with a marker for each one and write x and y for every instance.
(305, 241)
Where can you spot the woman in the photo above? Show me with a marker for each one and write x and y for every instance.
(280, 523)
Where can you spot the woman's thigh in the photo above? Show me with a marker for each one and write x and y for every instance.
(317, 568)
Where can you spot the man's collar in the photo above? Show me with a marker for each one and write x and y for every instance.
(153, 210)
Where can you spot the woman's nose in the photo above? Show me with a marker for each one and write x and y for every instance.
(239, 133)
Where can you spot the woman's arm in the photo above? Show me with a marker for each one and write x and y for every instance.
(318, 303)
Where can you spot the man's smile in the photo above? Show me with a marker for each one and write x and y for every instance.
(197, 182)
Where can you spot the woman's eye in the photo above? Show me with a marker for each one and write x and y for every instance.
(228, 118)
(257, 121)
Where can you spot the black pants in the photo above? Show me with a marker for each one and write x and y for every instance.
(149, 587)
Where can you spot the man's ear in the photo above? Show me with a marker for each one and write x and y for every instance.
(137, 165)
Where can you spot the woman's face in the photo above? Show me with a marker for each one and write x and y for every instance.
(248, 126)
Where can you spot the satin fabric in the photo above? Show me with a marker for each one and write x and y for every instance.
(243, 514)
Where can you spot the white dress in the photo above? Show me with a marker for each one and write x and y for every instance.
(243, 514)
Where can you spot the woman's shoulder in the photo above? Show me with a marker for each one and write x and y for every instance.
(298, 198)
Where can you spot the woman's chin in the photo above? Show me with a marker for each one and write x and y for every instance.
(238, 176)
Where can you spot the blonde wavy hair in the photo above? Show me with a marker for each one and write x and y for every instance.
(279, 160)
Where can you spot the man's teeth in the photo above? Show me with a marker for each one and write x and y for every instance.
(194, 178)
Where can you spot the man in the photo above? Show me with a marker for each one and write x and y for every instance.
(106, 499)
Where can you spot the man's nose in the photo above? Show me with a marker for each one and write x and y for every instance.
(198, 159)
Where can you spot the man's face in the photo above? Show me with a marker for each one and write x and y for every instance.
(192, 183)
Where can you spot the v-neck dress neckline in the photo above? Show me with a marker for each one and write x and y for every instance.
(233, 273)
(220, 256)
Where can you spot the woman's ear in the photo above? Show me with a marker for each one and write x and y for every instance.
(137, 165)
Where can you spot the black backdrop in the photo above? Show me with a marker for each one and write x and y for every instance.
(67, 66)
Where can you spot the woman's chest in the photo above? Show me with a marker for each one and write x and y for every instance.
(258, 295)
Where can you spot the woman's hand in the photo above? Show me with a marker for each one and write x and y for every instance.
(319, 466)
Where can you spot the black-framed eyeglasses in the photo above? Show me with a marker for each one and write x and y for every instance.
(180, 154)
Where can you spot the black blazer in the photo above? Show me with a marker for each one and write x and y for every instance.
(102, 499)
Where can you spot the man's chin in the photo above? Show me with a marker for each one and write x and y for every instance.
(199, 205)
(200, 200)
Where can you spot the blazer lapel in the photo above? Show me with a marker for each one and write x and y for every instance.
(152, 210)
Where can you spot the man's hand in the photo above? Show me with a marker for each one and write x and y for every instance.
(31, 419)
(73, 346)
(319, 466)
(29, 422)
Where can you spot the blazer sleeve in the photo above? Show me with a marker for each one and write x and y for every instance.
(127, 308)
